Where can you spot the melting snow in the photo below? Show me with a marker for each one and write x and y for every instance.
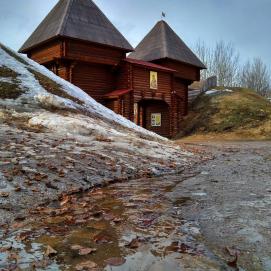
(39, 94)
(213, 91)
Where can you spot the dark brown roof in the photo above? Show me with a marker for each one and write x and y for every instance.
(117, 93)
(162, 42)
(79, 19)
(148, 65)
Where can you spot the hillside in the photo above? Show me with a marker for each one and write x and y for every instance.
(234, 114)
(56, 139)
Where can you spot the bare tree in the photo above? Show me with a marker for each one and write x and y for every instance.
(222, 61)
(225, 63)
(205, 54)
(255, 75)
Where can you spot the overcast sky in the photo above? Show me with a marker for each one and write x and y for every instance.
(245, 23)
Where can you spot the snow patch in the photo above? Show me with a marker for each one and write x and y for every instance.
(38, 94)
(73, 124)
(6, 80)
(214, 91)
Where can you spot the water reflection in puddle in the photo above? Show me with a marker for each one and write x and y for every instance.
(133, 222)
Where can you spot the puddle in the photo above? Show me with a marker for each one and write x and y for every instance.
(130, 224)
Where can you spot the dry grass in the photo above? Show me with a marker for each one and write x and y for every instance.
(102, 138)
(237, 115)
(10, 90)
(7, 73)
(52, 87)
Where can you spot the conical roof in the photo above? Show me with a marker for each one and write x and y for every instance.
(162, 42)
(79, 19)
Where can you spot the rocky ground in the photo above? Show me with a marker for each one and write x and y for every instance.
(41, 166)
(211, 216)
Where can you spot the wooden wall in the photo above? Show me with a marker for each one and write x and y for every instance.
(123, 80)
(157, 107)
(184, 71)
(76, 50)
(47, 52)
(114, 105)
(95, 80)
(181, 89)
(141, 85)
(93, 53)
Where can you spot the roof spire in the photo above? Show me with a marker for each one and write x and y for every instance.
(162, 42)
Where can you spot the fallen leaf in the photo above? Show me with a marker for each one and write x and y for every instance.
(39, 176)
(135, 243)
(65, 200)
(102, 239)
(85, 251)
(234, 253)
(4, 194)
(13, 257)
(76, 247)
(61, 173)
(50, 185)
(4, 249)
(233, 263)
(50, 252)
(109, 217)
(87, 266)
(17, 189)
(117, 220)
(115, 261)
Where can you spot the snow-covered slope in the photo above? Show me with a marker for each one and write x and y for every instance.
(22, 66)
(54, 137)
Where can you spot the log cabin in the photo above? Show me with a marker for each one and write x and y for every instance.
(150, 86)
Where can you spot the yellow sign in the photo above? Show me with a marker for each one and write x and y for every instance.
(153, 80)
(156, 120)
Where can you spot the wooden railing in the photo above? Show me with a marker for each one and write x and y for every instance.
(207, 84)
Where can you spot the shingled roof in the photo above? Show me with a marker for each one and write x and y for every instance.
(162, 42)
(79, 19)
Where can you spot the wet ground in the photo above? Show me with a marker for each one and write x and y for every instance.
(42, 165)
(215, 216)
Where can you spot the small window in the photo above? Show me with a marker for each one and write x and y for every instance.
(156, 120)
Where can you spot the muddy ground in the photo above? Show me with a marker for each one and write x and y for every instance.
(215, 216)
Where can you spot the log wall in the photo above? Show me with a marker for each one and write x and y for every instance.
(184, 71)
(95, 80)
(93, 53)
(47, 52)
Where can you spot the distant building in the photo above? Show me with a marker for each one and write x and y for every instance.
(150, 86)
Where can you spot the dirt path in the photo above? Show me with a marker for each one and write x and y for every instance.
(201, 219)
(231, 201)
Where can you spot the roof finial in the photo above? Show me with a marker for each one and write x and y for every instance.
(163, 15)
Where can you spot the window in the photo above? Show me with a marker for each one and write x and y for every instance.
(153, 80)
(156, 120)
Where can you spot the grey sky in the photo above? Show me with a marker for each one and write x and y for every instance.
(246, 23)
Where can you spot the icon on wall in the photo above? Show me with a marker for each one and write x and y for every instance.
(153, 80)
(156, 119)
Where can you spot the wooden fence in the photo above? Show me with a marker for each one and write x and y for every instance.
(207, 84)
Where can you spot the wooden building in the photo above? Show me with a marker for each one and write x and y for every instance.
(150, 86)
